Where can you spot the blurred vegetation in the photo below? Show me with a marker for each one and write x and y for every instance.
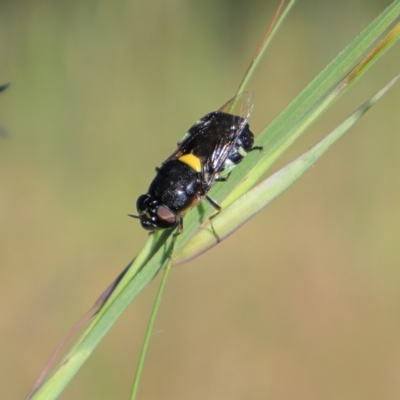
(100, 93)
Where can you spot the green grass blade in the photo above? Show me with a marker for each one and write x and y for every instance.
(234, 216)
(143, 269)
(280, 134)
(283, 130)
(315, 112)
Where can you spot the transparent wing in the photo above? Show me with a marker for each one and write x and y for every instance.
(240, 105)
(240, 108)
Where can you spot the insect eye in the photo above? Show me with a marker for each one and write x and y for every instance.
(166, 215)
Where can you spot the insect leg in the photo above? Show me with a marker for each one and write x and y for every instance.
(174, 237)
(222, 179)
(256, 148)
(180, 222)
(213, 203)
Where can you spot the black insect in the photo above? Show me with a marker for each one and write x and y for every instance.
(209, 151)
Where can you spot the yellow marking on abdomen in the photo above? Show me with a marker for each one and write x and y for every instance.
(191, 160)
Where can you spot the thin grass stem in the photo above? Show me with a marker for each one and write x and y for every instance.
(266, 40)
(149, 330)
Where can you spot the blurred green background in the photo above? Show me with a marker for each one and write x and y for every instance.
(301, 303)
